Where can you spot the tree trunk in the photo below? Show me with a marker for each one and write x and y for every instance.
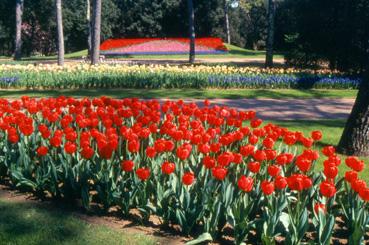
(226, 16)
(270, 35)
(89, 26)
(18, 30)
(95, 54)
(355, 136)
(59, 23)
(191, 21)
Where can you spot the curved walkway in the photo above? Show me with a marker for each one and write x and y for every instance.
(290, 109)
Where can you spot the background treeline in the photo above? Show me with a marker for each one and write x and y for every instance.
(128, 18)
(312, 31)
(307, 31)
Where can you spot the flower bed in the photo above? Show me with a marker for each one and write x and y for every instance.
(161, 46)
(165, 76)
(202, 168)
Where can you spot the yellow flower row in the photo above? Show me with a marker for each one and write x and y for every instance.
(105, 68)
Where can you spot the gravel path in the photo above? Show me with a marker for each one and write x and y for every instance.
(290, 109)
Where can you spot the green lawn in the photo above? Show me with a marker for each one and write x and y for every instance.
(234, 52)
(188, 93)
(26, 223)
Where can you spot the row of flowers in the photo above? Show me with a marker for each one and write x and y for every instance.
(156, 68)
(202, 168)
(166, 76)
(299, 81)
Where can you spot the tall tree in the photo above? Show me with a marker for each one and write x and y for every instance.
(18, 31)
(226, 17)
(191, 22)
(95, 54)
(355, 136)
(59, 24)
(270, 35)
(89, 27)
(230, 4)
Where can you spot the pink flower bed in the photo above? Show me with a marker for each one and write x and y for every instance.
(161, 46)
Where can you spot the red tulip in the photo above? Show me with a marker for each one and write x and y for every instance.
(26, 129)
(331, 172)
(268, 143)
(168, 167)
(267, 187)
(55, 141)
(127, 165)
(188, 178)
(256, 123)
(133, 146)
(328, 151)
(253, 139)
(225, 159)
(303, 164)
(358, 185)
(355, 164)
(70, 147)
(270, 154)
(237, 158)
(299, 182)
(253, 167)
(245, 183)
(247, 150)
(42, 151)
(219, 173)
(150, 152)
(364, 194)
(13, 138)
(273, 170)
(284, 158)
(204, 148)
(183, 153)
(319, 206)
(289, 139)
(316, 135)
(280, 182)
(215, 147)
(327, 189)
(307, 142)
(351, 176)
(143, 173)
(259, 155)
(87, 152)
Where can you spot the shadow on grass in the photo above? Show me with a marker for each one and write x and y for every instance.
(182, 93)
(245, 52)
(21, 223)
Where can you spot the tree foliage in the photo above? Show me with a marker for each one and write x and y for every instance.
(315, 31)
(129, 19)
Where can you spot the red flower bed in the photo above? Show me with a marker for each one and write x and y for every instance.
(200, 167)
(136, 45)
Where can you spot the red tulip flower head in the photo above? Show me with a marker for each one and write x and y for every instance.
(188, 178)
